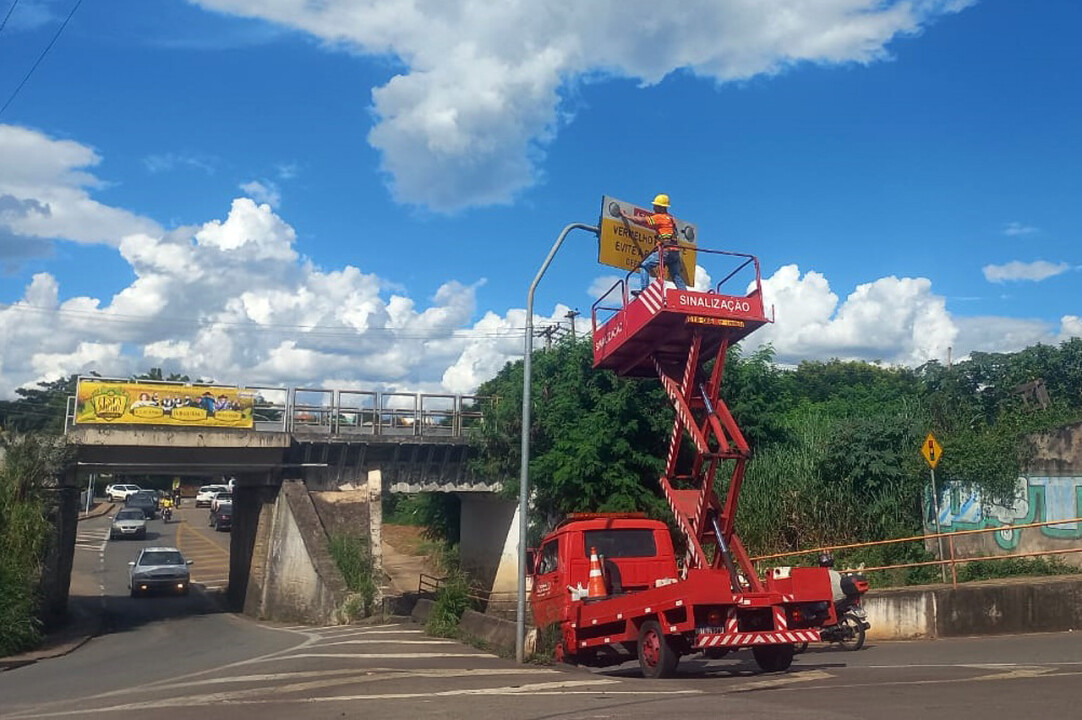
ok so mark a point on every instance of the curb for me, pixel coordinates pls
(78, 634)
(103, 508)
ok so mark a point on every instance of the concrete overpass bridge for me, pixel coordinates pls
(307, 442)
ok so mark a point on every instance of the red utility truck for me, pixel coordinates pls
(655, 605)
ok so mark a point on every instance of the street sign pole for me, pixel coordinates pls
(524, 466)
(932, 452)
(938, 529)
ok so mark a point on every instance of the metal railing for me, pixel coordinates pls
(741, 279)
(952, 561)
(344, 412)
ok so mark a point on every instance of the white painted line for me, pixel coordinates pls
(377, 656)
(388, 642)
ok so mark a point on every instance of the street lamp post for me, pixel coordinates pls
(524, 471)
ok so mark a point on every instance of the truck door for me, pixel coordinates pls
(550, 595)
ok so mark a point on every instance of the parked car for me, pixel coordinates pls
(159, 569)
(146, 503)
(120, 492)
(207, 493)
(128, 522)
(223, 497)
(221, 518)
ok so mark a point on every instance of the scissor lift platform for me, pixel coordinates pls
(631, 332)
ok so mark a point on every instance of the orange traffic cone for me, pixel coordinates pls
(596, 584)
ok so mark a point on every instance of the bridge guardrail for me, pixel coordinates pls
(345, 412)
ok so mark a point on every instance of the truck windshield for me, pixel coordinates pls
(629, 543)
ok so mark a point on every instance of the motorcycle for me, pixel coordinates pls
(852, 621)
(167, 514)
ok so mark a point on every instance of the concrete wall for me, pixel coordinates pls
(1051, 490)
(991, 608)
(487, 531)
(300, 581)
(62, 512)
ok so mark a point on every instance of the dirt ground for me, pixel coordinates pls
(404, 558)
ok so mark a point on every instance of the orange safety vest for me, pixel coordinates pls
(664, 224)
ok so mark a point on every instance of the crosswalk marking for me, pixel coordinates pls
(92, 539)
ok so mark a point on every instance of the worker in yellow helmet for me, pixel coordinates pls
(664, 225)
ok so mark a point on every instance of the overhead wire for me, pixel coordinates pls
(41, 57)
(4, 22)
(309, 330)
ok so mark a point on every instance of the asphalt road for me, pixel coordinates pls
(185, 658)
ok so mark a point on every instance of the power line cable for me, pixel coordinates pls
(313, 330)
(4, 22)
(42, 55)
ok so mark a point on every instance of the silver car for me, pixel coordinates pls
(129, 523)
(159, 568)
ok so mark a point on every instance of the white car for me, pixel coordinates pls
(207, 493)
(225, 496)
(120, 493)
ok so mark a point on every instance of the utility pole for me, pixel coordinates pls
(571, 315)
(547, 333)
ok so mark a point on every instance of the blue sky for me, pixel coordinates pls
(359, 192)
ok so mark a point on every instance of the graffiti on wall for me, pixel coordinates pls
(1038, 499)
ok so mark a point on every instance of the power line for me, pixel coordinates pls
(11, 9)
(313, 330)
(43, 53)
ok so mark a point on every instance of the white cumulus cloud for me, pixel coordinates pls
(263, 192)
(466, 120)
(232, 300)
(894, 320)
(45, 192)
(1017, 270)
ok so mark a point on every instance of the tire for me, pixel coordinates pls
(852, 631)
(134, 593)
(773, 658)
(715, 653)
(657, 658)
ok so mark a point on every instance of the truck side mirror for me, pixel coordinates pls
(531, 561)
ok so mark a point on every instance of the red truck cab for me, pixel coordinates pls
(637, 555)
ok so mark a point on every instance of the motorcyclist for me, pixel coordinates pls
(826, 560)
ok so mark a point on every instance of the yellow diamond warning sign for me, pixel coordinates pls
(624, 244)
(931, 450)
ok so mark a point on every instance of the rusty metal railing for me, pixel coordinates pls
(952, 560)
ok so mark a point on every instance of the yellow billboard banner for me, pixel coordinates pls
(624, 244)
(124, 403)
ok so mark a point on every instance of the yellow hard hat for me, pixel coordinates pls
(662, 199)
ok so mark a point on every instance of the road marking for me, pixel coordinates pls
(780, 681)
(380, 656)
(541, 688)
(384, 642)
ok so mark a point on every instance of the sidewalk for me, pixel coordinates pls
(86, 609)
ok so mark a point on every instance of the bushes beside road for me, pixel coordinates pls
(28, 467)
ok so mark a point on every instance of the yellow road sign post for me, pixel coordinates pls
(932, 452)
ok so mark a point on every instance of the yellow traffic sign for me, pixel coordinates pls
(624, 244)
(931, 450)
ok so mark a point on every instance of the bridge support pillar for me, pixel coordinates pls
(375, 525)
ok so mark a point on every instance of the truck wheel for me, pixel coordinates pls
(656, 656)
(773, 658)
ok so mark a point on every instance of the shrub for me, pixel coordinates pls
(354, 561)
(452, 600)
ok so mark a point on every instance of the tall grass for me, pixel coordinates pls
(27, 466)
(354, 561)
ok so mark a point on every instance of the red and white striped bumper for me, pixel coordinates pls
(773, 637)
